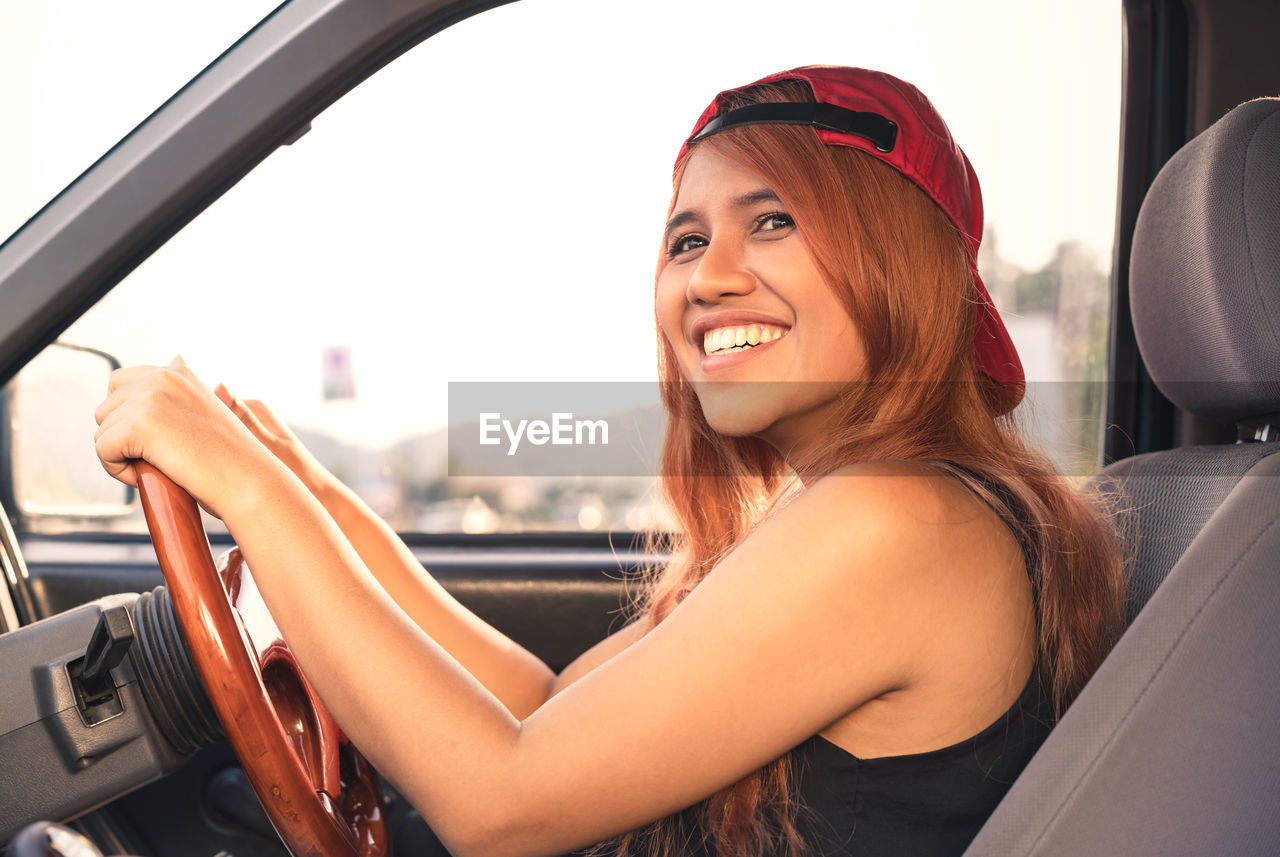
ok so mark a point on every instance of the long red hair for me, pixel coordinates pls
(900, 270)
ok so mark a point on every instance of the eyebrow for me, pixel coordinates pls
(746, 200)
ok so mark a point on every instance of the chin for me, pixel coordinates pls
(741, 409)
(736, 425)
(782, 414)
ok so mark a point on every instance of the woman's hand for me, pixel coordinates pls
(272, 433)
(166, 416)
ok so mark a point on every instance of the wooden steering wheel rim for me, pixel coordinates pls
(320, 794)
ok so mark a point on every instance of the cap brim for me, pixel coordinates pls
(994, 351)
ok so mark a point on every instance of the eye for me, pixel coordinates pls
(774, 221)
(685, 243)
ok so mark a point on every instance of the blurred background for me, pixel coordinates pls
(488, 208)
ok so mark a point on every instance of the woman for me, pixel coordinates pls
(880, 597)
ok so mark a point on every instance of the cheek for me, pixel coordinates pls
(849, 358)
(669, 304)
(841, 355)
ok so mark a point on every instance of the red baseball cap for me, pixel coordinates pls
(892, 121)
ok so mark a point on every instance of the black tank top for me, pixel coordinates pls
(928, 804)
(925, 804)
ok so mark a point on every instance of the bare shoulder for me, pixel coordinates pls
(901, 487)
(945, 572)
(909, 509)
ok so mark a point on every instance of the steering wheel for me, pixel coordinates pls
(321, 795)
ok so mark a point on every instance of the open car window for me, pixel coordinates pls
(487, 210)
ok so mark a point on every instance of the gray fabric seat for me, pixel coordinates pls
(1173, 748)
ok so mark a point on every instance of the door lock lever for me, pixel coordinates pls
(109, 643)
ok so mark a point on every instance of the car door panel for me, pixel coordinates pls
(557, 596)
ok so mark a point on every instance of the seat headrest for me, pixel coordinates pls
(1204, 275)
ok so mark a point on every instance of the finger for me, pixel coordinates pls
(126, 409)
(117, 396)
(116, 450)
(267, 417)
(127, 375)
(131, 381)
(239, 407)
(179, 367)
(251, 420)
(224, 394)
(122, 472)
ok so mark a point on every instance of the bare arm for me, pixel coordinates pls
(896, 591)
(510, 672)
(599, 654)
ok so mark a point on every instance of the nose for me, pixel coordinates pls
(720, 272)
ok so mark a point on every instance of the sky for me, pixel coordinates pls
(488, 206)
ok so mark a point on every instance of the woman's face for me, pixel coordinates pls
(754, 327)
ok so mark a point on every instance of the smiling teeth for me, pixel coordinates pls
(726, 340)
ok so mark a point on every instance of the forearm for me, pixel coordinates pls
(417, 714)
(510, 672)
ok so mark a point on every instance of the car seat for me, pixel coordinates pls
(1173, 747)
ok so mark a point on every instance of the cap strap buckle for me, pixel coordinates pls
(828, 117)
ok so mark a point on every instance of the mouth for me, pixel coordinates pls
(731, 339)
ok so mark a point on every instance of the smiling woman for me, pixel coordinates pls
(954, 594)
(873, 598)
(890, 349)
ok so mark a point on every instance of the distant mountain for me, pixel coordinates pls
(417, 459)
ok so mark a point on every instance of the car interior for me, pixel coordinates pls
(109, 743)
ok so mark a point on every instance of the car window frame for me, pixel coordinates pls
(260, 94)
